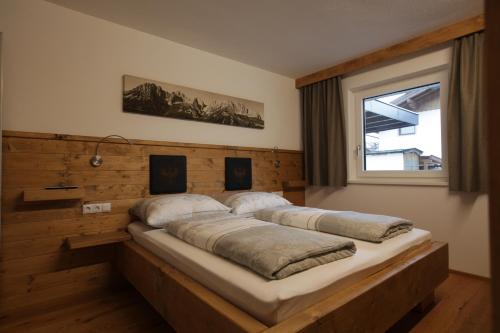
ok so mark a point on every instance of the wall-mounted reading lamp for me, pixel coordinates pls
(96, 160)
(277, 162)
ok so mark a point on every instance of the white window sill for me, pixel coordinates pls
(402, 182)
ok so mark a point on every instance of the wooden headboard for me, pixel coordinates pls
(35, 266)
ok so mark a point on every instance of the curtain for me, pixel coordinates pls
(323, 132)
(466, 125)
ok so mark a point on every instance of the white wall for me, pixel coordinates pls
(63, 74)
(459, 219)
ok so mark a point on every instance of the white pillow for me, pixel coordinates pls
(250, 202)
(159, 211)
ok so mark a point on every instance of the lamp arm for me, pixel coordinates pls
(277, 162)
(107, 137)
(96, 160)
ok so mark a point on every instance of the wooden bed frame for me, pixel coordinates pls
(373, 304)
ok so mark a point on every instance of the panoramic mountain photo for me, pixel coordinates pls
(167, 100)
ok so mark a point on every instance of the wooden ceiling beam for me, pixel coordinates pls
(419, 43)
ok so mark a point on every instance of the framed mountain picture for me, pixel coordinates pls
(161, 99)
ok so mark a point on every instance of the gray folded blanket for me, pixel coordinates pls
(368, 227)
(270, 250)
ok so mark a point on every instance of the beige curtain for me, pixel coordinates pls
(323, 131)
(467, 155)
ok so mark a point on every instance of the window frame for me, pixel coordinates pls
(357, 174)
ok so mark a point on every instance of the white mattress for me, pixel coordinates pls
(276, 300)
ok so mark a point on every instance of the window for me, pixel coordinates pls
(388, 116)
(400, 131)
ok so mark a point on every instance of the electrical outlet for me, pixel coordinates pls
(106, 207)
(96, 208)
(87, 209)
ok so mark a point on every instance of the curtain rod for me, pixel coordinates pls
(416, 44)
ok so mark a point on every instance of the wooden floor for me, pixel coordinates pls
(121, 312)
(463, 306)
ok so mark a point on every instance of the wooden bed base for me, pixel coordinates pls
(371, 305)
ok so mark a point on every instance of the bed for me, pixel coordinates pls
(197, 291)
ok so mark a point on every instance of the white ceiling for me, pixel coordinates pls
(289, 37)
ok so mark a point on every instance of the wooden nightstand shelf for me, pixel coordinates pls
(294, 185)
(80, 242)
(43, 194)
(294, 191)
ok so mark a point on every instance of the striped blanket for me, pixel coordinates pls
(270, 250)
(368, 227)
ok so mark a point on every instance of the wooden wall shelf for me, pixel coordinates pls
(53, 194)
(80, 242)
(294, 191)
(294, 185)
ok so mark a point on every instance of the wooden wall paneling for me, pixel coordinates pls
(53, 262)
(492, 73)
(413, 45)
(31, 290)
(35, 264)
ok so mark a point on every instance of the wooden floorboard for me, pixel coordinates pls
(463, 305)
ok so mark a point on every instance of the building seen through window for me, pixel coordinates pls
(402, 130)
